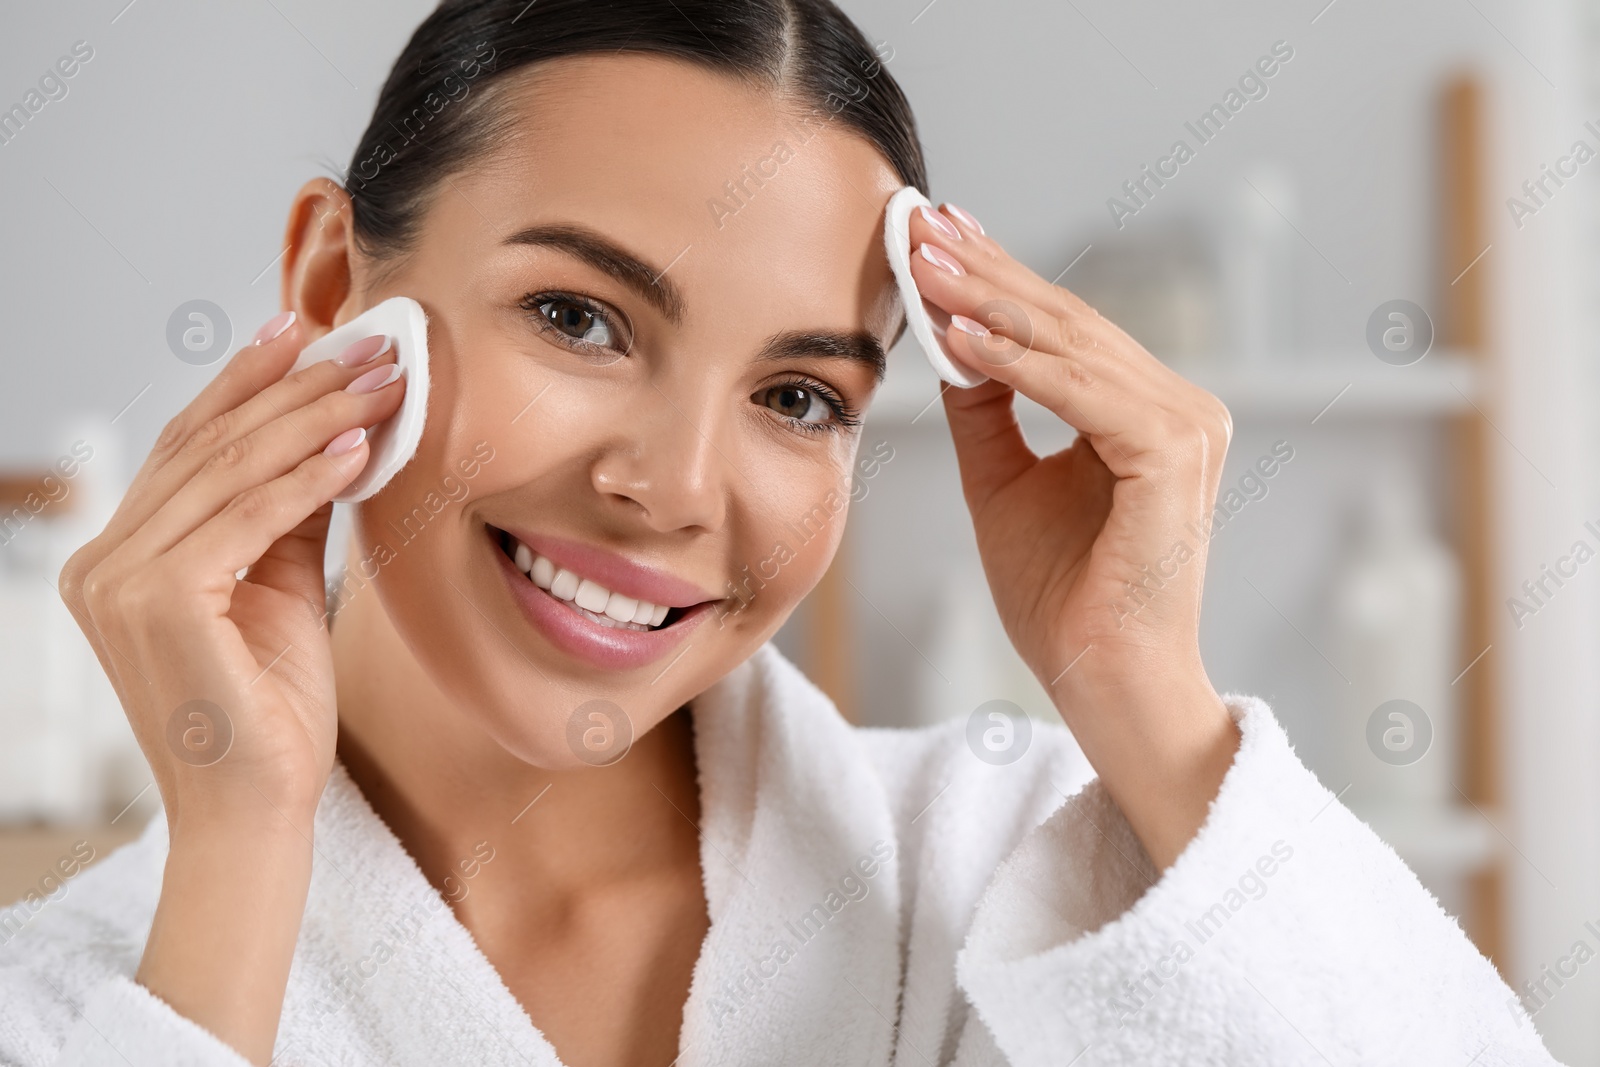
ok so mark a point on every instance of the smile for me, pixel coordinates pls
(593, 605)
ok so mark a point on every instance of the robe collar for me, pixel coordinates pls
(801, 962)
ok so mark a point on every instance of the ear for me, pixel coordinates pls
(318, 260)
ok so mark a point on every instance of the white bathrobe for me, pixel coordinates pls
(876, 897)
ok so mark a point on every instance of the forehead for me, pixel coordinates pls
(749, 203)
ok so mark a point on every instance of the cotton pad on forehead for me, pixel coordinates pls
(926, 322)
(394, 441)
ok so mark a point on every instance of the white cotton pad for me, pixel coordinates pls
(394, 440)
(926, 322)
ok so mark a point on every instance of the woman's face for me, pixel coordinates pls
(622, 303)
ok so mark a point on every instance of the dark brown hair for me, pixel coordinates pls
(434, 115)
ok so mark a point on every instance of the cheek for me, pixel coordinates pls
(501, 427)
(792, 532)
(495, 422)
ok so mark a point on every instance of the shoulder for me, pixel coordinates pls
(56, 948)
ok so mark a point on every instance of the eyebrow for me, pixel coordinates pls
(856, 345)
(610, 258)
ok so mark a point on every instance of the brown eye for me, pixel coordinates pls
(796, 402)
(580, 324)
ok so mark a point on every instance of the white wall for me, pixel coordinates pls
(179, 145)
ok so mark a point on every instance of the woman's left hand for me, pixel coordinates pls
(1096, 554)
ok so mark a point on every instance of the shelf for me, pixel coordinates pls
(30, 853)
(1321, 389)
(1442, 384)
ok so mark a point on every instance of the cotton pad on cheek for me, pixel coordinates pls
(394, 441)
(927, 323)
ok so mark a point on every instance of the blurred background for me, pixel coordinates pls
(1377, 243)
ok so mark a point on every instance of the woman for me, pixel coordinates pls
(544, 792)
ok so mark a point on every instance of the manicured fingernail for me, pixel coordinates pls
(940, 223)
(940, 258)
(345, 442)
(363, 351)
(273, 327)
(972, 326)
(374, 379)
(964, 216)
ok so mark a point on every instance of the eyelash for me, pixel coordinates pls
(531, 303)
(843, 417)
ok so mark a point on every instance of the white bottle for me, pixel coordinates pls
(1397, 604)
(1257, 256)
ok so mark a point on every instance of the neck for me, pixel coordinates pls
(446, 788)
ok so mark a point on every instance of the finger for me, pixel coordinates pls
(994, 286)
(990, 448)
(241, 533)
(119, 667)
(258, 364)
(1089, 373)
(178, 466)
(265, 454)
(1120, 424)
(1168, 411)
(293, 564)
(982, 256)
(1014, 325)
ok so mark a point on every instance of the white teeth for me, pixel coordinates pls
(564, 585)
(621, 607)
(607, 621)
(591, 595)
(606, 606)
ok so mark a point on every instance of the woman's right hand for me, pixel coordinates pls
(229, 683)
(240, 478)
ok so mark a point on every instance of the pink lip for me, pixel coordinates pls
(602, 646)
(616, 573)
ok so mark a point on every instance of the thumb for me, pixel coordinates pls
(294, 562)
(990, 448)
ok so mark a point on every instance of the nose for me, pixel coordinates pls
(668, 462)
